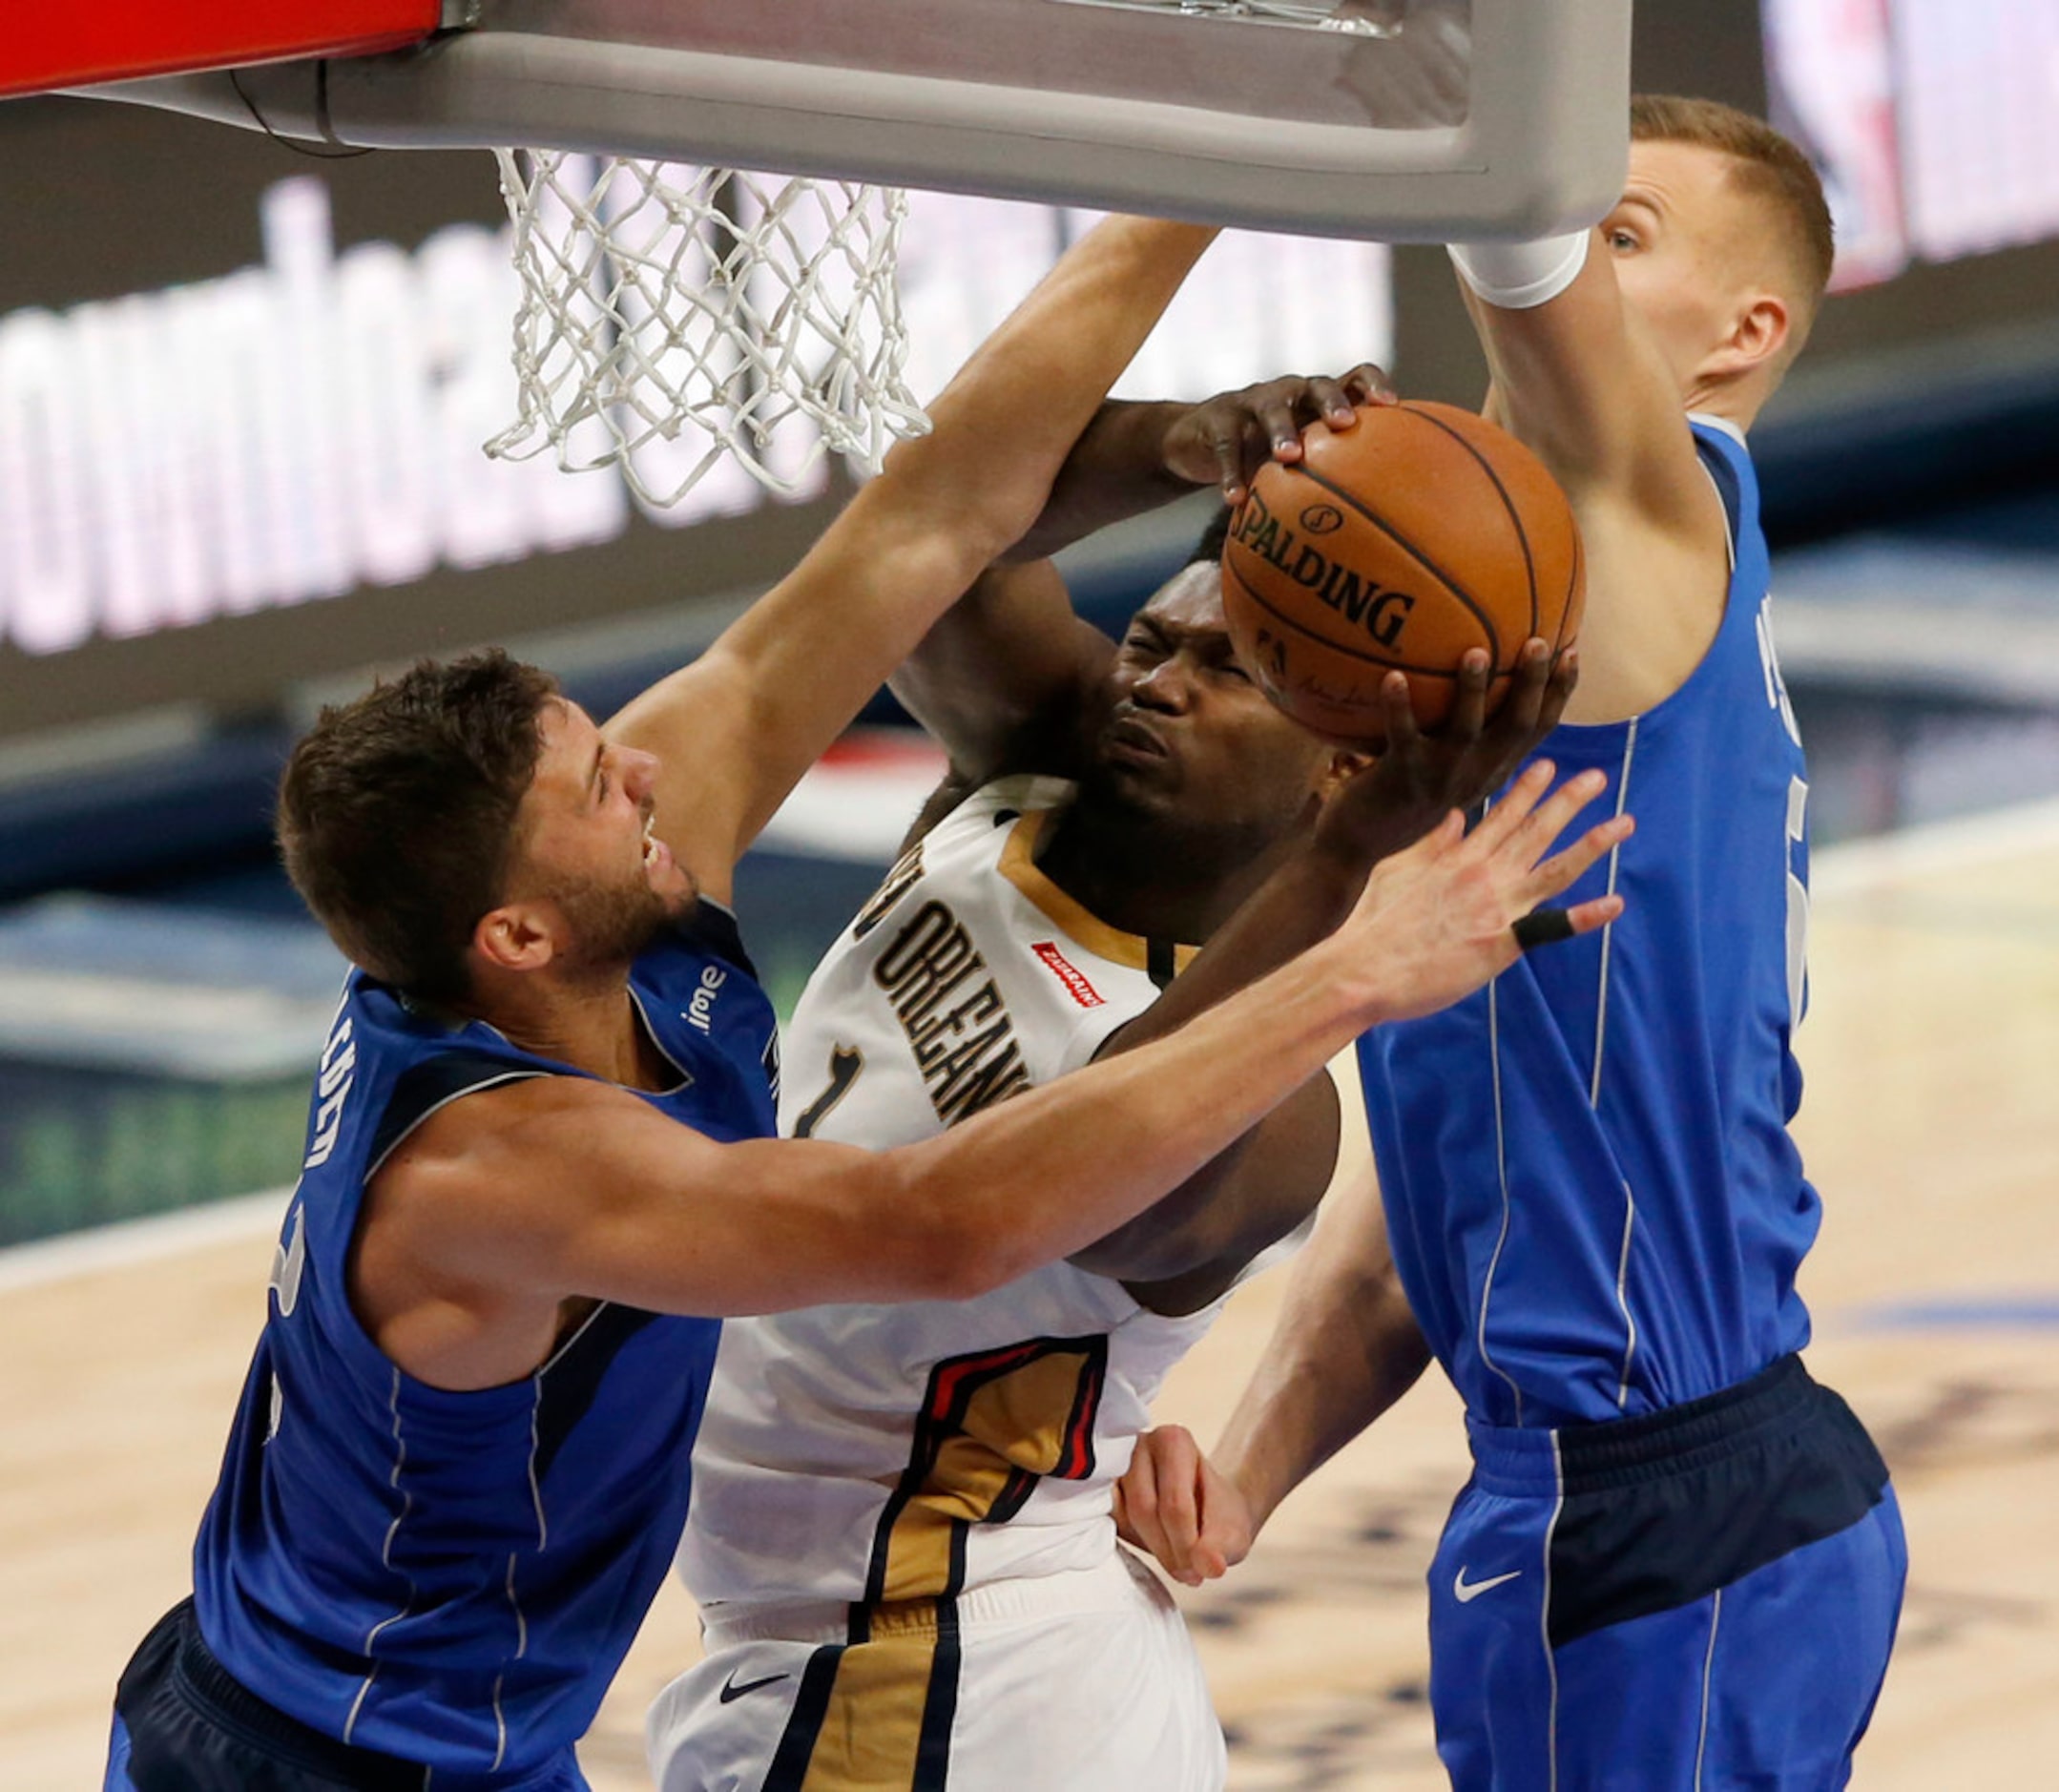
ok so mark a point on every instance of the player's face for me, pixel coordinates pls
(1686, 249)
(589, 843)
(1187, 734)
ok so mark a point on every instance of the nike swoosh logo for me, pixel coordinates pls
(734, 1689)
(1468, 1591)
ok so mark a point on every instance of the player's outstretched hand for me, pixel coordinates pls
(1225, 439)
(1437, 922)
(1174, 1505)
(1420, 778)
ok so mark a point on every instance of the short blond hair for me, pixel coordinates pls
(1769, 168)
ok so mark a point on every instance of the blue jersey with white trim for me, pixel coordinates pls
(1593, 1201)
(454, 1577)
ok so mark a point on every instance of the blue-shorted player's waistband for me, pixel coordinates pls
(1576, 1459)
(173, 1661)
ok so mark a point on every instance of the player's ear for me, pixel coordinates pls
(1757, 334)
(517, 936)
(1342, 766)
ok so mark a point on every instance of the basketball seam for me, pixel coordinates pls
(1573, 584)
(1402, 541)
(1515, 516)
(1324, 641)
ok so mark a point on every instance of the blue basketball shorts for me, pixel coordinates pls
(182, 1723)
(1698, 1598)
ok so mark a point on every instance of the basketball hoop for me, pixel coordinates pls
(698, 313)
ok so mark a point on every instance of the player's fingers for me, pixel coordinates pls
(1328, 400)
(1469, 704)
(1512, 807)
(1398, 714)
(1597, 912)
(1222, 1538)
(1534, 834)
(1528, 685)
(1564, 869)
(1178, 1527)
(1275, 418)
(1559, 688)
(1119, 1510)
(1225, 447)
(1369, 385)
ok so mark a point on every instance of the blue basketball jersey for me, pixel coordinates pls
(454, 1577)
(1594, 1205)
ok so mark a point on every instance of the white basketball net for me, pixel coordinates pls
(672, 316)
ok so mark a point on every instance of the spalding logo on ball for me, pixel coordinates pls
(1403, 542)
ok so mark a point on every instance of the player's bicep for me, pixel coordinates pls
(1000, 679)
(569, 1189)
(1185, 1250)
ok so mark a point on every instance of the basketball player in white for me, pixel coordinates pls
(902, 1533)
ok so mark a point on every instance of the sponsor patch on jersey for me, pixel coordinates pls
(1068, 973)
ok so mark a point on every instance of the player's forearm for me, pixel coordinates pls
(1345, 1350)
(1305, 901)
(1052, 1169)
(1116, 471)
(1004, 427)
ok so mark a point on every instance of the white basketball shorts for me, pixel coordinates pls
(1079, 1682)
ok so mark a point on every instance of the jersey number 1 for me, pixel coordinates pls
(844, 1064)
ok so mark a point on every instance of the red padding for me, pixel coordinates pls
(74, 43)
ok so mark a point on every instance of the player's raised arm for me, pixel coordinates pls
(1694, 294)
(735, 730)
(1000, 679)
(502, 1206)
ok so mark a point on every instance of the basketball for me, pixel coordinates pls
(1403, 543)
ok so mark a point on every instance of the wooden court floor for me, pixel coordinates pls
(1930, 1124)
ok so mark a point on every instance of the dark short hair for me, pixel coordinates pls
(1210, 545)
(397, 814)
(1768, 166)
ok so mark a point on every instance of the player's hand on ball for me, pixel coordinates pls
(1175, 1506)
(1437, 922)
(1226, 439)
(1419, 776)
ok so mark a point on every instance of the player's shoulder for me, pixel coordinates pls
(998, 801)
(1022, 793)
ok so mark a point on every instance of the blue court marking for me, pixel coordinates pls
(2001, 1312)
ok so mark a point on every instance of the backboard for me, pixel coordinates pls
(57, 47)
(1404, 120)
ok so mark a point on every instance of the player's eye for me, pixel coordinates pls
(1623, 239)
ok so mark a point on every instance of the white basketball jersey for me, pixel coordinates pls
(869, 1453)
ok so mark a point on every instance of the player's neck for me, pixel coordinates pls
(1147, 879)
(1736, 402)
(592, 1024)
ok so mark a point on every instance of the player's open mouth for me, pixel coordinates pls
(657, 855)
